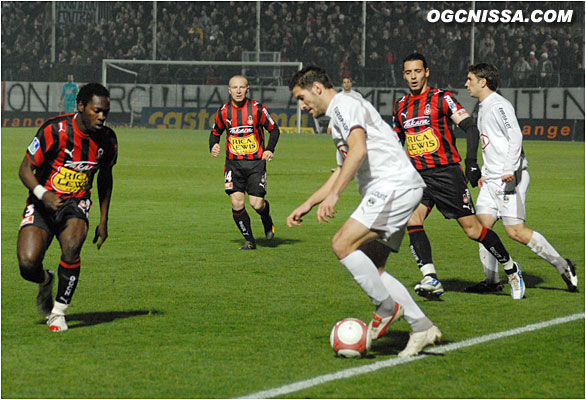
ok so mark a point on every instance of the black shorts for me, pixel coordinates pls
(36, 214)
(247, 176)
(447, 189)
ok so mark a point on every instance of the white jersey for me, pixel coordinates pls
(500, 137)
(385, 161)
(353, 93)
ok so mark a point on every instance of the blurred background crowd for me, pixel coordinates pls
(329, 34)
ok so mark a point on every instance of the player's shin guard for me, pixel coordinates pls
(421, 250)
(243, 223)
(493, 244)
(68, 277)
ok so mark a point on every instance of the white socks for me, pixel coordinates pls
(59, 308)
(401, 295)
(540, 246)
(489, 263)
(365, 273)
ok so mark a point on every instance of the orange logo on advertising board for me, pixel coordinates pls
(420, 143)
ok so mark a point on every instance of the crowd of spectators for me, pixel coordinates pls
(329, 34)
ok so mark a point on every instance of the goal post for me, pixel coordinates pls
(149, 71)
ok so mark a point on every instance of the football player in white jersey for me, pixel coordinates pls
(505, 180)
(391, 188)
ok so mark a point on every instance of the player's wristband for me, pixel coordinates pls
(39, 191)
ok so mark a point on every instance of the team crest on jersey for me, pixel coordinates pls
(343, 149)
(484, 142)
(250, 120)
(34, 146)
(420, 143)
(427, 109)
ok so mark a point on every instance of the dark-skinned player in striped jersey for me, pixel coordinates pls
(245, 171)
(58, 169)
(422, 121)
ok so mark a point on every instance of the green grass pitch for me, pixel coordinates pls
(170, 308)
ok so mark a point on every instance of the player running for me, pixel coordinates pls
(505, 180)
(245, 170)
(390, 188)
(58, 169)
(421, 119)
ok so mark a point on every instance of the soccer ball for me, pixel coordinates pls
(350, 338)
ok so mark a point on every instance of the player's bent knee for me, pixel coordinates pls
(29, 268)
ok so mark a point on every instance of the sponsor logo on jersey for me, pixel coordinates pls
(67, 180)
(420, 143)
(80, 166)
(341, 119)
(505, 118)
(34, 146)
(415, 122)
(243, 145)
(264, 110)
(239, 130)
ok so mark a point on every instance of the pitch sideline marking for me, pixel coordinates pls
(351, 372)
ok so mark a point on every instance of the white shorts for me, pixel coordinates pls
(386, 211)
(509, 207)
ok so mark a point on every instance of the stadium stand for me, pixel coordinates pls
(528, 55)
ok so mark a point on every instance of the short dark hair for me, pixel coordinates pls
(415, 57)
(89, 90)
(488, 72)
(305, 78)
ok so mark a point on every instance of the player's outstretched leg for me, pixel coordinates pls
(420, 246)
(267, 221)
(242, 221)
(565, 267)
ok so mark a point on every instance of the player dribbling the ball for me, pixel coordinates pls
(390, 187)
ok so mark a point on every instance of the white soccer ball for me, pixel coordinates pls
(350, 338)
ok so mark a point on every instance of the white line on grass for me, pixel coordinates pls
(348, 373)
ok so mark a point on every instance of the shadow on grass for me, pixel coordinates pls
(275, 242)
(457, 285)
(89, 319)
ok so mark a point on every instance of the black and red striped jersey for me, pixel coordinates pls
(423, 123)
(66, 159)
(244, 126)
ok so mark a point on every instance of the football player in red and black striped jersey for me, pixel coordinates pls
(58, 169)
(245, 122)
(422, 120)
